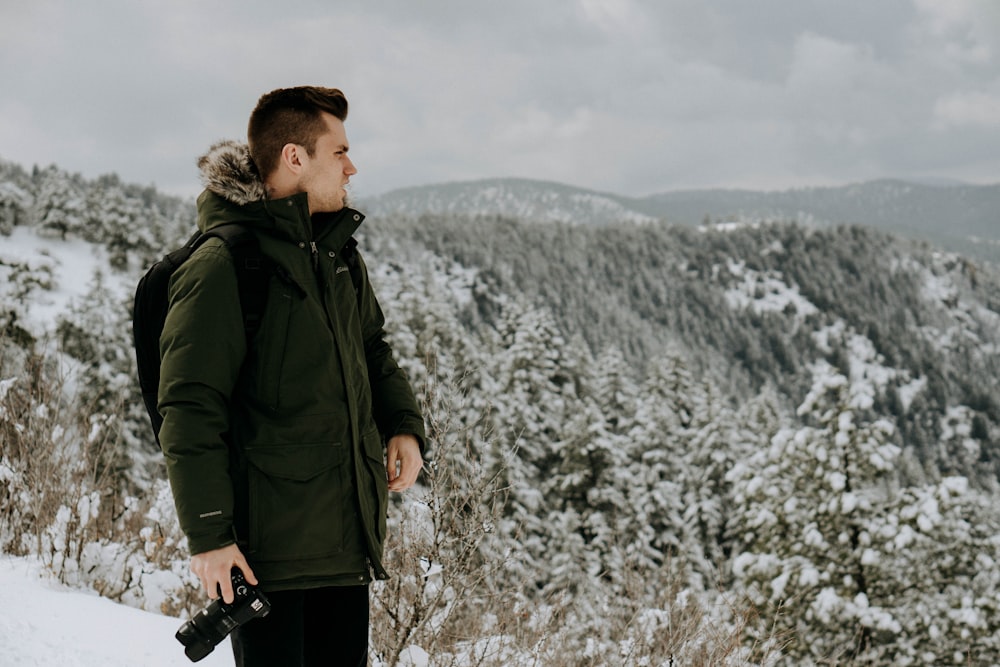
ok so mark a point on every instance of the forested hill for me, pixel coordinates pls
(963, 218)
(633, 419)
(757, 305)
(525, 199)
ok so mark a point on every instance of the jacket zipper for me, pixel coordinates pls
(315, 255)
(375, 565)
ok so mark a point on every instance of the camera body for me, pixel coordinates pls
(211, 625)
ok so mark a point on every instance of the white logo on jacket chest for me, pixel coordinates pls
(341, 269)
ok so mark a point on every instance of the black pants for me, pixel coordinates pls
(307, 628)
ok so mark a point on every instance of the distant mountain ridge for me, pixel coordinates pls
(962, 218)
(520, 198)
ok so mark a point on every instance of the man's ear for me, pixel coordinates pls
(291, 157)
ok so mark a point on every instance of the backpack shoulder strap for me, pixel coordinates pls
(253, 270)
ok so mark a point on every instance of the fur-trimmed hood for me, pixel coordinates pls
(228, 171)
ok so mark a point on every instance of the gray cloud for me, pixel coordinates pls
(631, 96)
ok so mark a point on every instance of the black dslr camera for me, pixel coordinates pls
(211, 625)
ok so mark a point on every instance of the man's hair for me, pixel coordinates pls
(290, 116)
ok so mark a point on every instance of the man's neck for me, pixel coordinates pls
(279, 186)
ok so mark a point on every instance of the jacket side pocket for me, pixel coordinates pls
(298, 499)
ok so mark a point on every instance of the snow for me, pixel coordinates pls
(71, 263)
(43, 623)
(827, 604)
(908, 391)
(765, 292)
(517, 198)
(809, 577)
(939, 289)
(868, 374)
(412, 656)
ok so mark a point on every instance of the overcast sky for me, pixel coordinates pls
(625, 96)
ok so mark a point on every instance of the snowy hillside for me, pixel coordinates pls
(45, 624)
(47, 276)
(536, 201)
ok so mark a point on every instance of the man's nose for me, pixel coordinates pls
(349, 167)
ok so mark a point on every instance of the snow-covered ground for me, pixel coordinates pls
(43, 623)
(64, 271)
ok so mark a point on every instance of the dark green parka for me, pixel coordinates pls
(280, 448)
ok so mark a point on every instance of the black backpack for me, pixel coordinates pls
(253, 271)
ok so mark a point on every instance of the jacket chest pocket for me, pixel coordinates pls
(299, 495)
(271, 344)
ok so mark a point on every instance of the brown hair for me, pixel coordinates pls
(290, 116)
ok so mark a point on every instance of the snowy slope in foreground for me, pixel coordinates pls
(45, 624)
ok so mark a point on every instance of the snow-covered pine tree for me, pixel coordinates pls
(802, 516)
(586, 498)
(656, 447)
(121, 224)
(95, 332)
(932, 560)
(60, 204)
(711, 449)
(535, 395)
(15, 204)
(615, 390)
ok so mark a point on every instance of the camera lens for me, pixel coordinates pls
(187, 634)
(196, 652)
(196, 646)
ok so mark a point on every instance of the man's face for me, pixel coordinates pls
(326, 173)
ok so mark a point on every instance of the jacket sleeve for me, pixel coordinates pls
(393, 402)
(202, 348)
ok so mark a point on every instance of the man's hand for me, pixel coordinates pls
(214, 569)
(403, 462)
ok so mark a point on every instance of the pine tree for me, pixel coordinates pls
(587, 497)
(802, 511)
(120, 223)
(615, 390)
(657, 447)
(932, 560)
(60, 205)
(711, 450)
(15, 204)
(535, 398)
(95, 332)
(535, 383)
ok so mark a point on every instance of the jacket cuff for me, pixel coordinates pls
(415, 427)
(202, 543)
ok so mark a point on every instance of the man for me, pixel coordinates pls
(280, 453)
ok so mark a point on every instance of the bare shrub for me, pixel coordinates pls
(55, 482)
(660, 620)
(444, 550)
(65, 497)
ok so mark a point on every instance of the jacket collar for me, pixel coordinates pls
(234, 192)
(228, 171)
